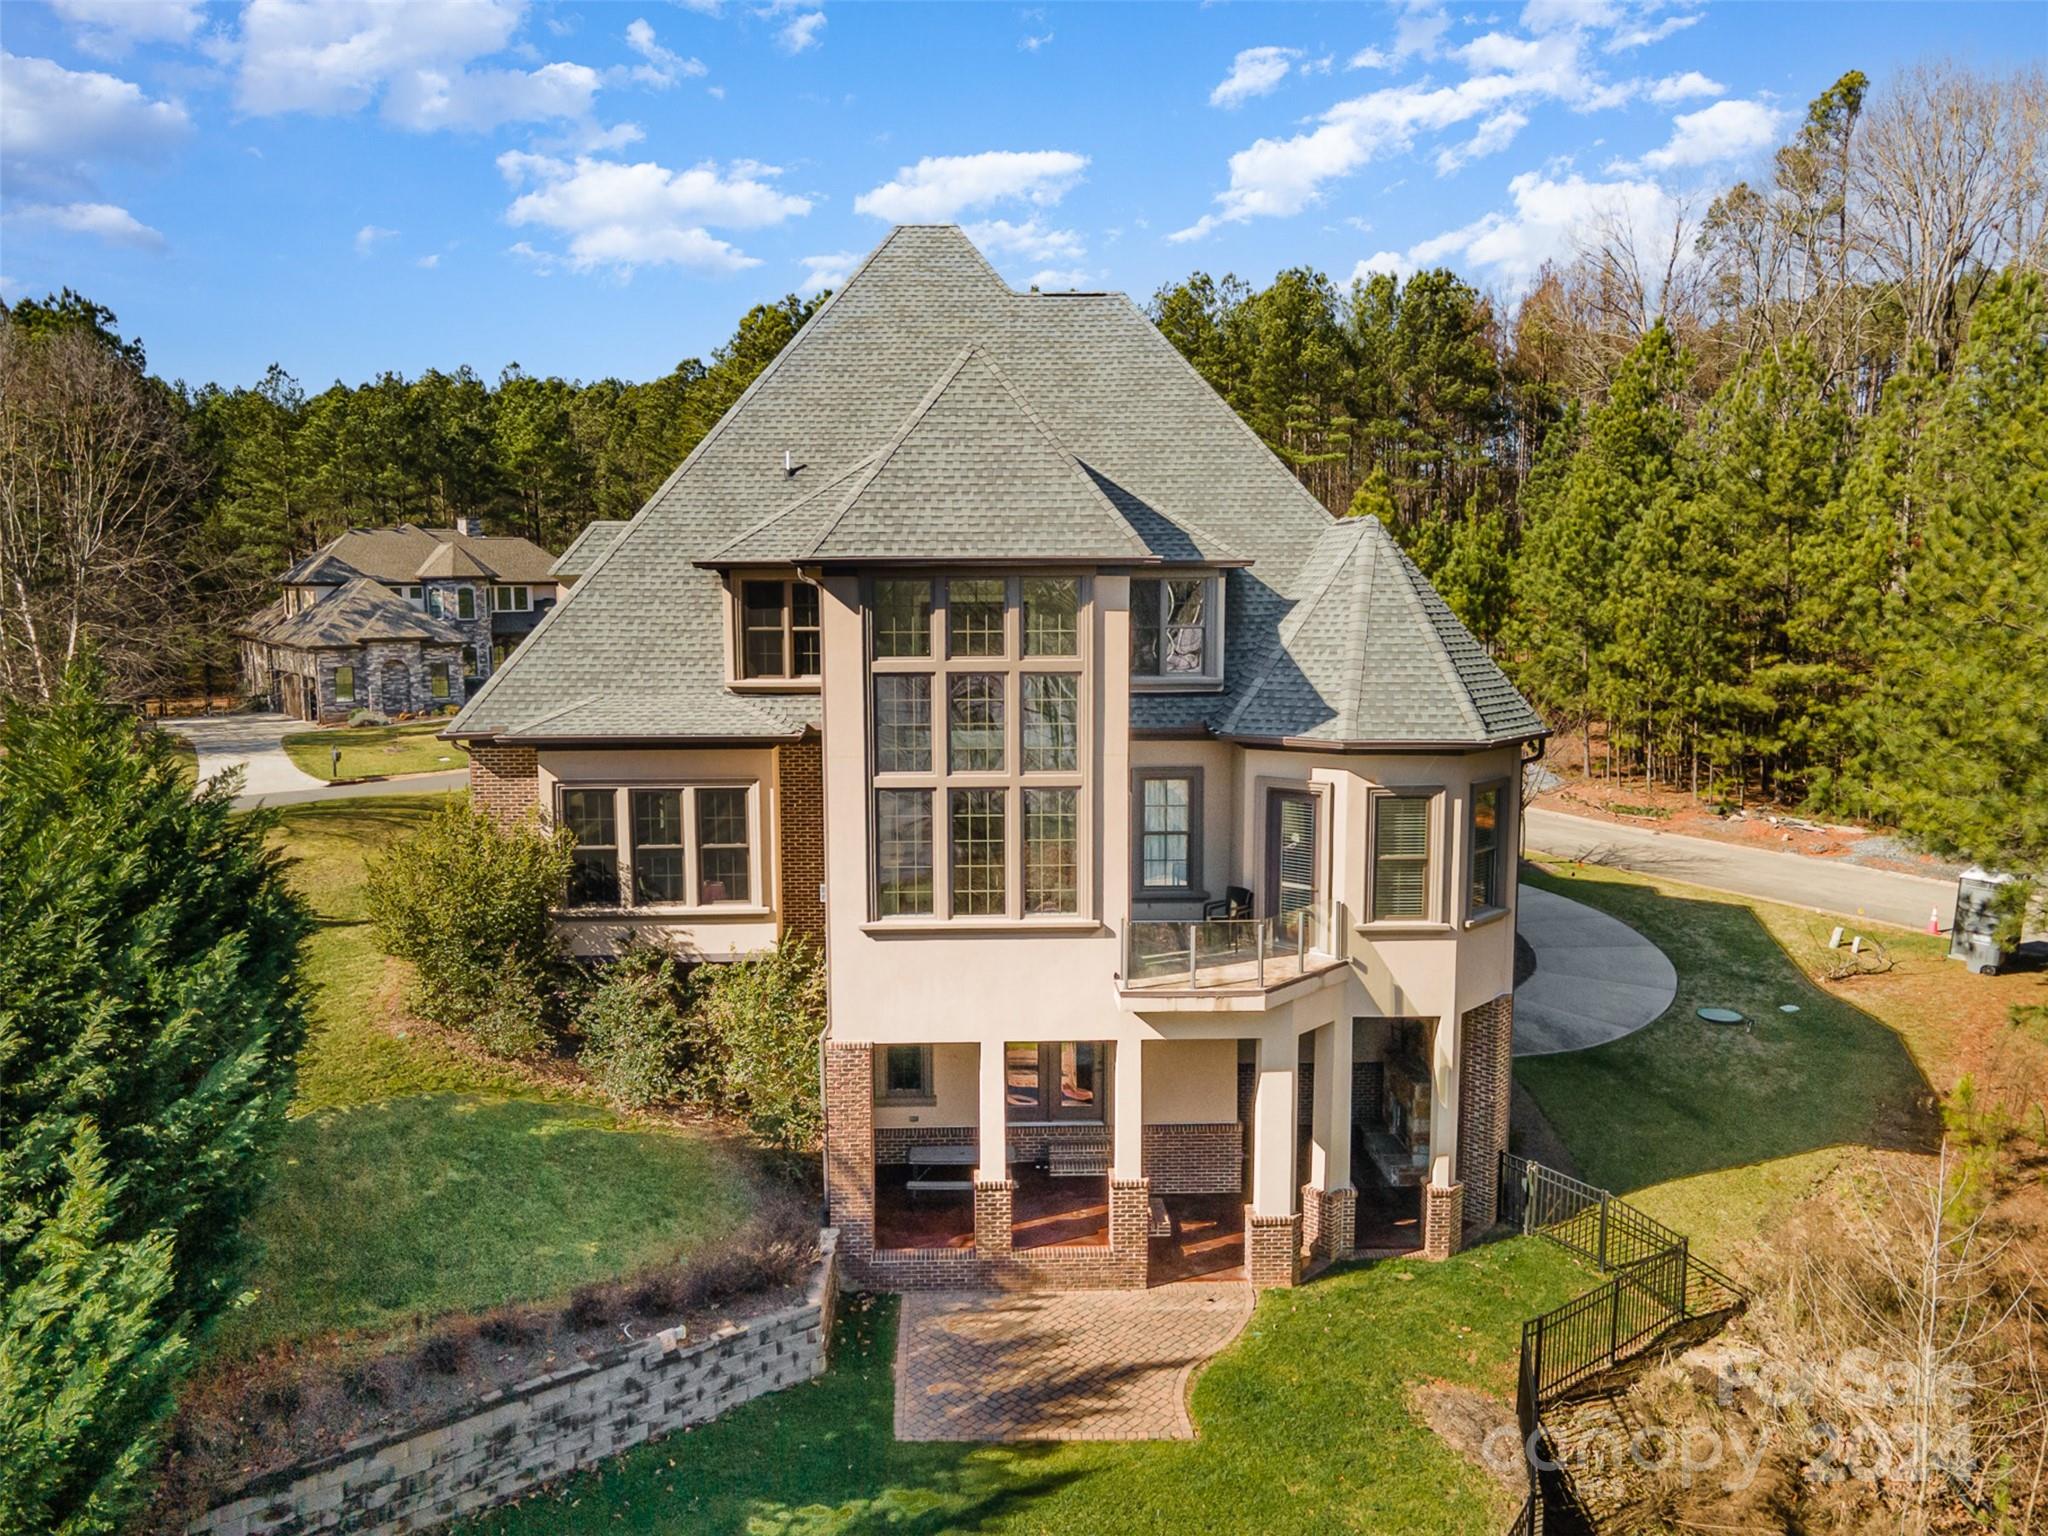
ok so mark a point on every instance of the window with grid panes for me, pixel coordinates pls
(976, 695)
(689, 845)
(778, 636)
(1174, 635)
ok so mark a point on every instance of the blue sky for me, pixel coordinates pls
(595, 190)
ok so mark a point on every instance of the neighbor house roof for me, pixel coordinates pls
(928, 411)
(1371, 654)
(395, 556)
(585, 548)
(362, 610)
(450, 561)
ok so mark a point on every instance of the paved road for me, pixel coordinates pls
(411, 784)
(1820, 885)
(252, 743)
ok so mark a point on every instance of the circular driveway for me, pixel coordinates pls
(252, 743)
(1596, 978)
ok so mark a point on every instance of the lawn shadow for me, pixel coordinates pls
(1682, 1097)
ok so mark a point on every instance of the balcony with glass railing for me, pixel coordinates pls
(1220, 956)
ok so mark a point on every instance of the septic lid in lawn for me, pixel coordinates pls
(1722, 1016)
(1788, 1007)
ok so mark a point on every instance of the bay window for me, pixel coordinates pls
(975, 696)
(687, 845)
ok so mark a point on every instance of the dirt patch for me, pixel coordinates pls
(1478, 1427)
(305, 1399)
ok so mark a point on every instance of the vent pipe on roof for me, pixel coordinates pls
(788, 463)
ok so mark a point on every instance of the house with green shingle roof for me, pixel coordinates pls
(1157, 828)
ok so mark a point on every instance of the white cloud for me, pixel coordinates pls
(1550, 215)
(1420, 30)
(1279, 177)
(1392, 263)
(663, 66)
(1370, 58)
(801, 32)
(429, 262)
(645, 215)
(109, 28)
(56, 123)
(1031, 42)
(104, 221)
(704, 7)
(1728, 130)
(829, 271)
(370, 236)
(1641, 34)
(1030, 241)
(1493, 136)
(1686, 86)
(942, 187)
(1254, 72)
(333, 56)
(1569, 15)
(1054, 278)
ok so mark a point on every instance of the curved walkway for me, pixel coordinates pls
(1596, 978)
(1073, 1365)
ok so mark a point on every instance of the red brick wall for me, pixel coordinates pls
(1195, 1159)
(504, 782)
(850, 1145)
(800, 822)
(1329, 1221)
(1272, 1249)
(1442, 1230)
(1485, 1086)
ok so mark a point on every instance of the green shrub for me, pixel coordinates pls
(512, 1019)
(635, 1047)
(466, 901)
(755, 1026)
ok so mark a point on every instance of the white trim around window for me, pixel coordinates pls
(674, 846)
(511, 599)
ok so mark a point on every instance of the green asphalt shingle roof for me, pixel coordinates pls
(929, 411)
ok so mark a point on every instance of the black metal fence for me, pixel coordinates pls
(1657, 1284)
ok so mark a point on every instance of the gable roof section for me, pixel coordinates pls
(971, 474)
(586, 547)
(1372, 656)
(450, 561)
(362, 610)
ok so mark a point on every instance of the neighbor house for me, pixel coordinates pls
(398, 620)
(1158, 827)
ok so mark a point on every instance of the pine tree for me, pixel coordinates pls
(150, 1017)
(1958, 754)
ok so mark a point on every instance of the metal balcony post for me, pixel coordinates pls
(1259, 942)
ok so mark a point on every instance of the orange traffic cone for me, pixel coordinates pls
(1934, 920)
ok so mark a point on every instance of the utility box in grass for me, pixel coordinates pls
(1973, 939)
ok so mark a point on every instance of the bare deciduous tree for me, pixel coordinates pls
(93, 481)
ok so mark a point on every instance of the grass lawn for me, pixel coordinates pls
(1707, 1127)
(415, 1179)
(1302, 1425)
(368, 750)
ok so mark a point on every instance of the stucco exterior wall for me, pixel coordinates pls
(1190, 1082)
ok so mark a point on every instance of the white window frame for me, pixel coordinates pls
(1210, 678)
(465, 602)
(350, 696)
(756, 904)
(502, 599)
(1011, 780)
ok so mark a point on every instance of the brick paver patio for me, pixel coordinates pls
(1075, 1365)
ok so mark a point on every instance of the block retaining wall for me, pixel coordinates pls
(511, 1442)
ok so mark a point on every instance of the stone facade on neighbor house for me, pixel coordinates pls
(510, 1443)
(1159, 828)
(402, 620)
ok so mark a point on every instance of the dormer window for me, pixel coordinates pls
(778, 628)
(1176, 630)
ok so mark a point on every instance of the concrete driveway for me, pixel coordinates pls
(1596, 978)
(252, 743)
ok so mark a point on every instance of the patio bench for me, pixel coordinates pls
(937, 1186)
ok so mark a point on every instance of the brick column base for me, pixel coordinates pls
(1443, 1209)
(1486, 1071)
(1329, 1221)
(850, 1145)
(995, 1203)
(1272, 1249)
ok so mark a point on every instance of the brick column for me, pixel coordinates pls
(1485, 1085)
(1442, 1220)
(504, 782)
(850, 1144)
(1130, 1229)
(1329, 1221)
(1272, 1249)
(995, 1202)
(800, 836)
